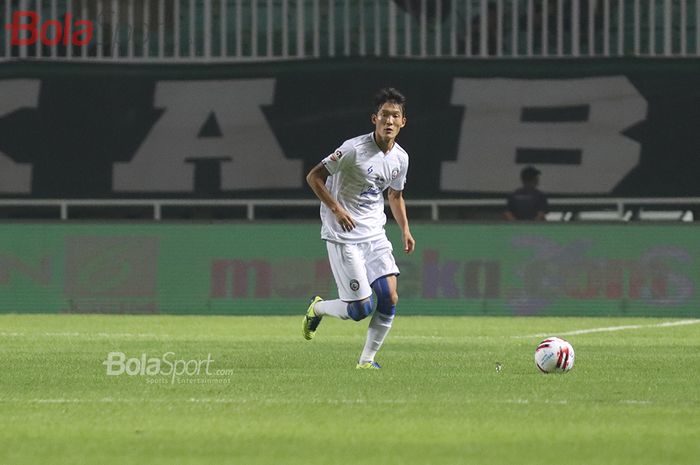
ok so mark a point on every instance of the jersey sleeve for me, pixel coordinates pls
(399, 182)
(336, 160)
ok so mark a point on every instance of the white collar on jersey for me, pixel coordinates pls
(374, 139)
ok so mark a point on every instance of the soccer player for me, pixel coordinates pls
(350, 183)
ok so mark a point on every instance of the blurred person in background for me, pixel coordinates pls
(528, 202)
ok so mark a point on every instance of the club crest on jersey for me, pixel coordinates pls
(354, 284)
(394, 173)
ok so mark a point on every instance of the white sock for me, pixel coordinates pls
(336, 308)
(379, 327)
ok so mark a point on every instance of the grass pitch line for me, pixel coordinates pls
(258, 402)
(613, 328)
(84, 335)
(195, 400)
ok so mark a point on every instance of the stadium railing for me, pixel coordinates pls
(232, 31)
(257, 30)
(562, 209)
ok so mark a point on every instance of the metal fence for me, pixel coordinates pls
(256, 30)
(561, 209)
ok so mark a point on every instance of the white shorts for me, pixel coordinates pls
(356, 266)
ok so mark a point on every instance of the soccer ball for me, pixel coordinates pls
(554, 355)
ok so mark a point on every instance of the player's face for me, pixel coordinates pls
(388, 121)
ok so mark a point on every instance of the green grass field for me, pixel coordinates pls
(633, 396)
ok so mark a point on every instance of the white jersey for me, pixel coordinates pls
(360, 173)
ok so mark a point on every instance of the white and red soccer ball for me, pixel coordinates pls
(554, 355)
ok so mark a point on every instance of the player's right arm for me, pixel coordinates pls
(317, 181)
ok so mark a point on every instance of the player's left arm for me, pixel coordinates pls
(398, 209)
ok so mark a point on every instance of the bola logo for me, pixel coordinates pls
(25, 29)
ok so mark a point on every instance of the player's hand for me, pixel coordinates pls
(344, 219)
(409, 244)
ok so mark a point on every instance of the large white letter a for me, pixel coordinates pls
(252, 156)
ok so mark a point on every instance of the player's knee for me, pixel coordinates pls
(386, 304)
(360, 309)
(387, 298)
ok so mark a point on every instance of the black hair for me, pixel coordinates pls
(529, 173)
(391, 95)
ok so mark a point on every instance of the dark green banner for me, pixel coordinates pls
(274, 268)
(594, 127)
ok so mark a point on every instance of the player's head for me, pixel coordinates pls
(389, 95)
(389, 112)
(530, 176)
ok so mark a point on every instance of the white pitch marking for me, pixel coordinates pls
(76, 334)
(612, 328)
(194, 400)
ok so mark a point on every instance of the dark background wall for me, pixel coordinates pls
(99, 131)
